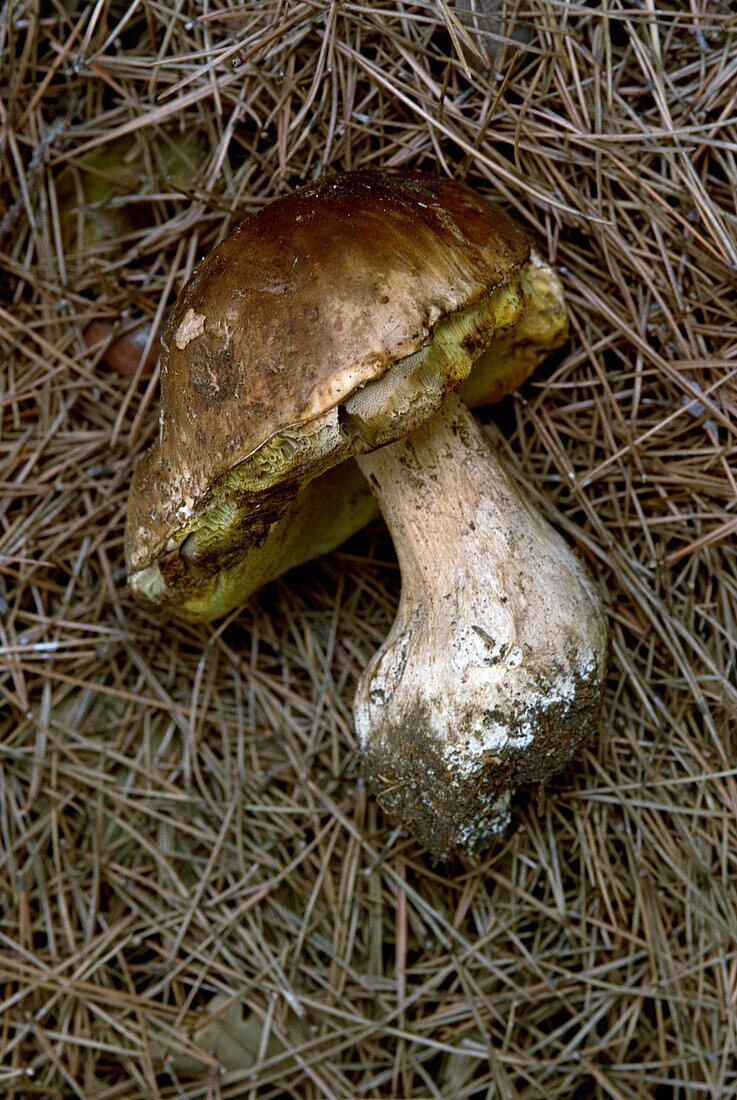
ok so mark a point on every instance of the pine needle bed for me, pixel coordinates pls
(197, 898)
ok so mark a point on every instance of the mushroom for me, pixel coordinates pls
(334, 324)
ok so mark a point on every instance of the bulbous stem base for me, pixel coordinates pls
(492, 672)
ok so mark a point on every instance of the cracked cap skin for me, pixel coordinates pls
(314, 298)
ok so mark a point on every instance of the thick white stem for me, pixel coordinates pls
(492, 672)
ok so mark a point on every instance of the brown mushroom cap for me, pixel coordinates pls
(304, 307)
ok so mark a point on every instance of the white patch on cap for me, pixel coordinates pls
(192, 326)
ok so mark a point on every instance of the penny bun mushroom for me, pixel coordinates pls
(333, 324)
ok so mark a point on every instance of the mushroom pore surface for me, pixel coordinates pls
(492, 672)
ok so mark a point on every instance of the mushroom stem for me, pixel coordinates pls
(492, 672)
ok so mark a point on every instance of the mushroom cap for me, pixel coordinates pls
(319, 296)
